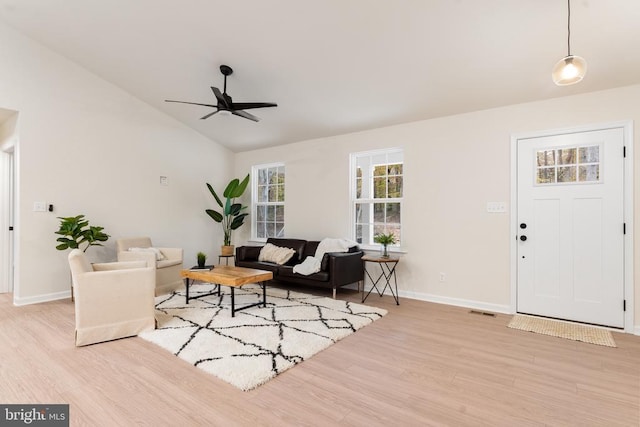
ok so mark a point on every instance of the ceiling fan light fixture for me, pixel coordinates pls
(572, 68)
(569, 70)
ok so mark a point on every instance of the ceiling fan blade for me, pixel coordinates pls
(245, 115)
(220, 97)
(249, 105)
(209, 115)
(192, 103)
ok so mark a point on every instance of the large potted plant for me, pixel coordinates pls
(76, 231)
(232, 214)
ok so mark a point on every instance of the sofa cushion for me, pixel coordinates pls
(268, 266)
(297, 245)
(286, 271)
(276, 254)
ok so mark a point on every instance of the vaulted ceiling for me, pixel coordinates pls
(335, 66)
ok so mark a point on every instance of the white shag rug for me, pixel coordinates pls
(258, 343)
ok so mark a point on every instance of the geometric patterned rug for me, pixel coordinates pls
(258, 343)
(568, 330)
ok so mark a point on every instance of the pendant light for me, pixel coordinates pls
(572, 68)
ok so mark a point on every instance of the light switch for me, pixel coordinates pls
(496, 207)
(164, 180)
(39, 206)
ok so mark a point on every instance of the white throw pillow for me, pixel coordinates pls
(157, 252)
(277, 254)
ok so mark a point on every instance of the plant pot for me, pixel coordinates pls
(226, 250)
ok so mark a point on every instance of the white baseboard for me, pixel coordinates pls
(41, 298)
(636, 331)
(476, 305)
(458, 302)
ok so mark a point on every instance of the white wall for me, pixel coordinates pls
(87, 147)
(453, 167)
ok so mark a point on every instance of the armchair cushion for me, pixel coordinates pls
(157, 252)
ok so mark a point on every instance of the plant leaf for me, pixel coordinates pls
(216, 216)
(241, 187)
(237, 221)
(215, 196)
(228, 192)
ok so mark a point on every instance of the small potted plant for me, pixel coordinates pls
(385, 240)
(202, 257)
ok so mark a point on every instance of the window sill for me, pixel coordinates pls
(378, 249)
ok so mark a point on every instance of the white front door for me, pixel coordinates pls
(570, 210)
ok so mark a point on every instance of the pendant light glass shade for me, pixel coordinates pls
(569, 70)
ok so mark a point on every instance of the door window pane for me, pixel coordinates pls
(546, 175)
(589, 154)
(568, 165)
(546, 157)
(567, 174)
(590, 173)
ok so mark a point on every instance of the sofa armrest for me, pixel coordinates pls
(345, 268)
(248, 253)
(172, 253)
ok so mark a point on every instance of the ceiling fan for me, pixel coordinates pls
(225, 103)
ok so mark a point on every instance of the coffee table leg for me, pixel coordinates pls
(186, 285)
(233, 302)
(264, 294)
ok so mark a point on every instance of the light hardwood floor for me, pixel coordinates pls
(422, 364)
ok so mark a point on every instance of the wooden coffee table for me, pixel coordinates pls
(231, 276)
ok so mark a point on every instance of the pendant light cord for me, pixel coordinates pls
(568, 27)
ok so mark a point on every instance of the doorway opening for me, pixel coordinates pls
(8, 148)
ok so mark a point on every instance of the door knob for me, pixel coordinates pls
(523, 238)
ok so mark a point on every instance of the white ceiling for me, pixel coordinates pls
(335, 66)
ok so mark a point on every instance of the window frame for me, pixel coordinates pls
(255, 171)
(354, 200)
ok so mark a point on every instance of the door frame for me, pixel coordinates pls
(627, 127)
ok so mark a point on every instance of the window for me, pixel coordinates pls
(267, 204)
(568, 165)
(376, 189)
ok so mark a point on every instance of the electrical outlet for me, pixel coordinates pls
(443, 277)
(39, 206)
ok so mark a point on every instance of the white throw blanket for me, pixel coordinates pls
(311, 264)
(333, 245)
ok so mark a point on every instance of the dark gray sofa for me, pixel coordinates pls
(337, 268)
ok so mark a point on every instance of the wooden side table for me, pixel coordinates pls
(226, 257)
(387, 271)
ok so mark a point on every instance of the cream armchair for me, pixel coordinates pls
(168, 261)
(112, 300)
